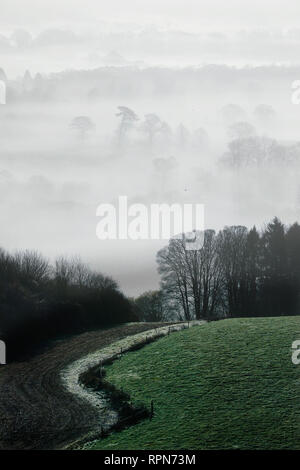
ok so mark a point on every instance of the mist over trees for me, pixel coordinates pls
(82, 125)
(238, 272)
(128, 119)
(216, 135)
(260, 151)
(162, 116)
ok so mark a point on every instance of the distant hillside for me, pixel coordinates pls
(132, 81)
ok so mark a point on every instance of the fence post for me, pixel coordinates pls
(2, 352)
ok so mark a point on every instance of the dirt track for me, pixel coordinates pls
(36, 412)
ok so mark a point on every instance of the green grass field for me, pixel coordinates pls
(224, 385)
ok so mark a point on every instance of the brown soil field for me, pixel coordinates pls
(36, 411)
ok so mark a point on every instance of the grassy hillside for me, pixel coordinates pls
(227, 384)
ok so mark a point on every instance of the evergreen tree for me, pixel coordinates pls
(274, 270)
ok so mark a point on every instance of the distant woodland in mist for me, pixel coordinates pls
(217, 135)
(130, 81)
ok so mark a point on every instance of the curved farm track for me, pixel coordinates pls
(36, 412)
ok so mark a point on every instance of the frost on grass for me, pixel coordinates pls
(100, 400)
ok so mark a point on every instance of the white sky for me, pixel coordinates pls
(193, 15)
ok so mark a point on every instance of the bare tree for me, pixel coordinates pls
(252, 151)
(174, 276)
(192, 276)
(72, 272)
(32, 266)
(232, 245)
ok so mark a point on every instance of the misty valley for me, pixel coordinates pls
(207, 136)
(150, 232)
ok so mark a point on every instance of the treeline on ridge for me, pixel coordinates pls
(39, 301)
(237, 273)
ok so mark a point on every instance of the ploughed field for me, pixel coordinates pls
(36, 411)
(229, 384)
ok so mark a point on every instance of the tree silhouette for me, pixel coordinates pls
(82, 125)
(151, 126)
(128, 119)
(236, 273)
